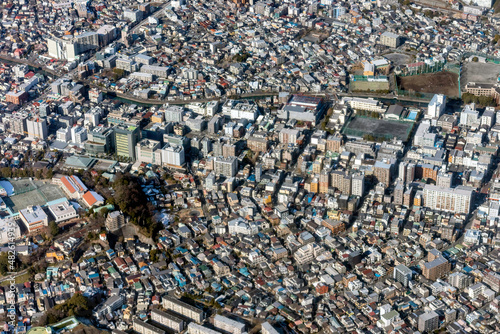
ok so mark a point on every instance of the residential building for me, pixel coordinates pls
(448, 199)
(183, 309)
(402, 274)
(428, 322)
(228, 325)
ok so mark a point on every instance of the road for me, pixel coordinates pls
(157, 14)
(13, 276)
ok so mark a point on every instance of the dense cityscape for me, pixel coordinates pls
(242, 166)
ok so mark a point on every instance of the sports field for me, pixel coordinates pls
(28, 192)
(360, 126)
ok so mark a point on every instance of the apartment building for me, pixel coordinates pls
(182, 308)
(448, 199)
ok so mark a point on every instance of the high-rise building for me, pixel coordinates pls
(324, 181)
(126, 138)
(358, 185)
(428, 322)
(115, 221)
(70, 49)
(258, 172)
(402, 274)
(78, 134)
(448, 199)
(399, 190)
(436, 106)
(100, 140)
(37, 127)
(460, 280)
(382, 171)
(226, 166)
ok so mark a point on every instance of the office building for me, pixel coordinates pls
(174, 114)
(402, 274)
(428, 322)
(148, 151)
(78, 135)
(172, 155)
(126, 138)
(100, 140)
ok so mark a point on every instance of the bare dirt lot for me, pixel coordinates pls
(438, 83)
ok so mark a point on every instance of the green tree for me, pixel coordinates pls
(475, 59)
(53, 228)
(154, 255)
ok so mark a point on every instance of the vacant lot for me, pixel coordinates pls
(480, 73)
(357, 86)
(436, 83)
(360, 126)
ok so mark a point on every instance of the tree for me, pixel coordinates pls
(475, 59)
(53, 228)
(153, 254)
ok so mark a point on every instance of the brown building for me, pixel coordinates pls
(382, 172)
(426, 171)
(16, 97)
(324, 182)
(257, 144)
(341, 181)
(408, 197)
(333, 225)
(334, 143)
(436, 268)
(228, 150)
(483, 89)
